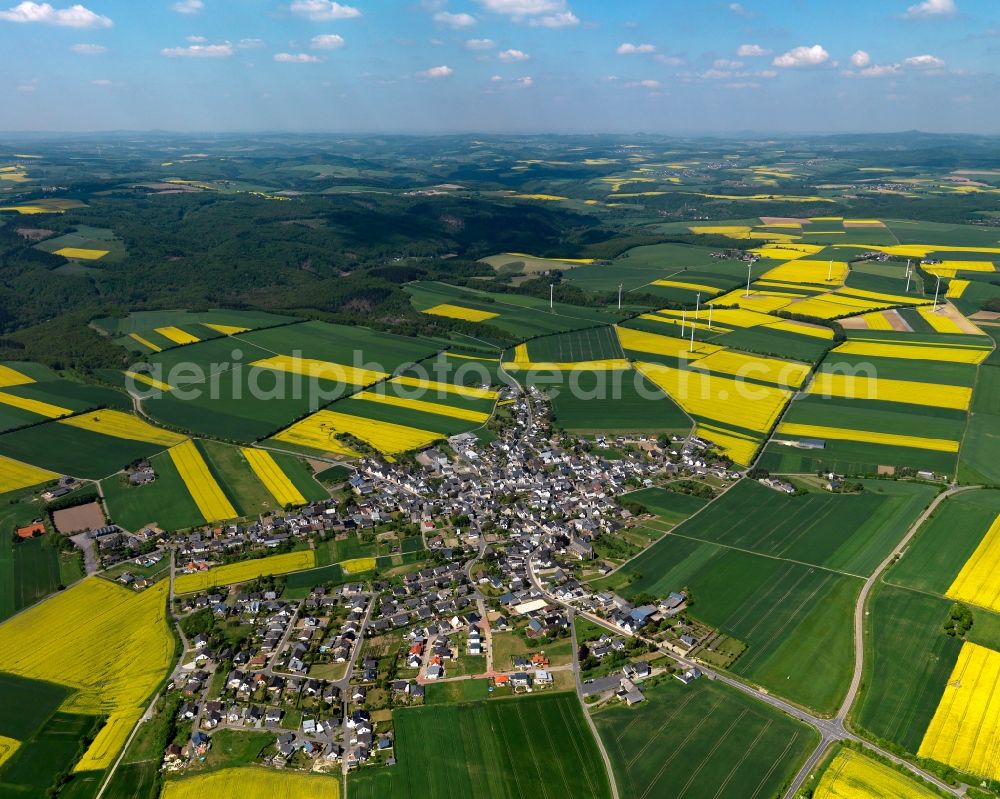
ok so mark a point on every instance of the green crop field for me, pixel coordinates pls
(641, 265)
(590, 344)
(908, 659)
(794, 619)
(778, 343)
(510, 748)
(703, 741)
(166, 502)
(668, 505)
(847, 532)
(978, 461)
(946, 541)
(53, 748)
(71, 450)
(609, 402)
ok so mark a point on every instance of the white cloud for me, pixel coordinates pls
(455, 20)
(627, 48)
(102, 82)
(28, 86)
(296, 58)
(250, 44)
(802, 57)
(931, 8)
(725, 63)
(195, 39)
(924, 62)
(739, 10)
(496, 79)
(479, 44)
(860, 58)
(564, 19)
(88, 49)
(188, 6)
(436, 72)
(323, 10)
(222, 50)
(880, 70)
(76, 16)
(526, 82)
(669, 60)
(766, 73)
(538, 13)
(649, 83)
(752, 50)
(327, 41)
(513, 55)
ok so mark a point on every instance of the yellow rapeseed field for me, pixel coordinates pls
(719, 398)
(802, 328)
(273, 477)
(786, 252)
(956, 288)
(357, 565)
(605, 365)
(727, 317)
(737, 446)
(641, 341)
(318, 431)
(917, 352)
(149, 381)
(979, 580)
(851, 775)
(876, 320)
(123, 425)
(965, 730)
(459, 312)
(939, 320)
(756, 367)
(762, 302)
(251, 782)
(81, 253)
(145, 342)
(700, 324)
(805, 270)
(11, 377)
(425, 407)
(880, 296)
(226, 330)
(866, 437)
(114, 646)
(245, 570)
(732, 231)
(546, 197)
(914, 392)
(830, 306)
(683, 284)
(212, 502)
(323, 370)
(176, 335)
(46, 409)
(8, 746)
(436, 387)
(15, 475)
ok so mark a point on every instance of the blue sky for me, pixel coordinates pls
(672, 66)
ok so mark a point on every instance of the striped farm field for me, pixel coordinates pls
(205, 491)
(123, 425)
(321, 370)
(790, 429)
(802, 328)
(804, 270)
(719, 398)
(274, 479)
(251, 782)
(15, 475)
(81, 253)
(681, 284)
(176, 335)
(441, 389)
(147, 380)
(245, 570)
(319, 432)
(653, 344)
(8, 746)
(226, 330)
(979, 580)
(440, 409)
(965, 730)
(918, 352)
(755, 367)
(831, 384)
(459, 312)
(145, 342)
(851, 775)
(46, 409)
(956, 288)
(111, 645)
